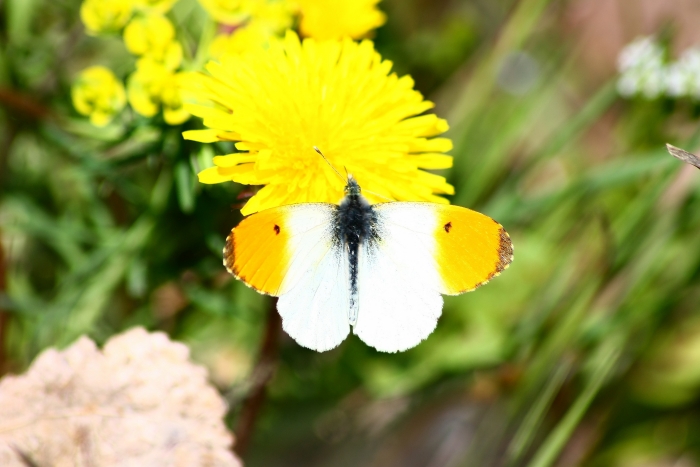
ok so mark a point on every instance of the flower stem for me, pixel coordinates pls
(4, 315)
(205, 39)
(262, 374)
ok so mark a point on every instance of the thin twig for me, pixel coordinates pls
(261, 375)
(684, 155)
(19, 102)
(4, 315)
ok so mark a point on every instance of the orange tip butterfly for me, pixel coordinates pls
(378, 269)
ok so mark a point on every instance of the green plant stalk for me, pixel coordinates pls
(477, 93)
(591, 112)
(493, 157)
(208, 33)
(603, 364)
(526, 432)
(560, 339)
(487, 172)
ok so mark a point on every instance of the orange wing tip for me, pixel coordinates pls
(505, 252)
(229, 264)
(228, 255)
(505, 257)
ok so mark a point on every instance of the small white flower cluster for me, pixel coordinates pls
(138, 402)
(645, 71)
(683, 76)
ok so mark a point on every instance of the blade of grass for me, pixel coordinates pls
(528, 428)
(602, 365)
(477, 93)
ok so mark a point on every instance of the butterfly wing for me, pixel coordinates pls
(315, 311)
(290, 252)
(422, 250)
(397, 308)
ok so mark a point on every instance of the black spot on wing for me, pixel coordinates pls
(448, 227)
(276, 228)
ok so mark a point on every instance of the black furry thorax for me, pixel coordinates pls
(355, 218)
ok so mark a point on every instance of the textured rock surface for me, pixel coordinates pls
(138, 402)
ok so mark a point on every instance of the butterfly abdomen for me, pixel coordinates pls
(355, 223)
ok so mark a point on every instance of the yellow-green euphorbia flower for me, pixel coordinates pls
(105, 16)
(160, 6)
(249, 37)
(98, 94)
(232, 12)
(153, 35)
(268, 20)
(153, 86)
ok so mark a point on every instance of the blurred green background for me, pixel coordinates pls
(586, 351)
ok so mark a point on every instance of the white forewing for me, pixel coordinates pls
(398, 284)
(315, 305)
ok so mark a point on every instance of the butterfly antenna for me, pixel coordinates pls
(345, 180)
(378, 195)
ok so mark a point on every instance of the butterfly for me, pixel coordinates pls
(378, 269)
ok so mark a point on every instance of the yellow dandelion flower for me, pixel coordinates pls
(152, 87)
(153, 35)
(335, 19)
(277, 104)
(105, 16)
(160, 6)
(98, 94)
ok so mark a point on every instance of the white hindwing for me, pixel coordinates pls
(398, 284)
(315, 305)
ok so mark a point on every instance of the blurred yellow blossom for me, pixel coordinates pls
(153, 35)
(160, 6)
(280, 102)
(98, 94)
(153, 86)
(105, 16)
(268, 20)
(231, 12)
(335, 19)
(273, 15)
(248, 37)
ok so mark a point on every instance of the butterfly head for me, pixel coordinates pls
(352, 188)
